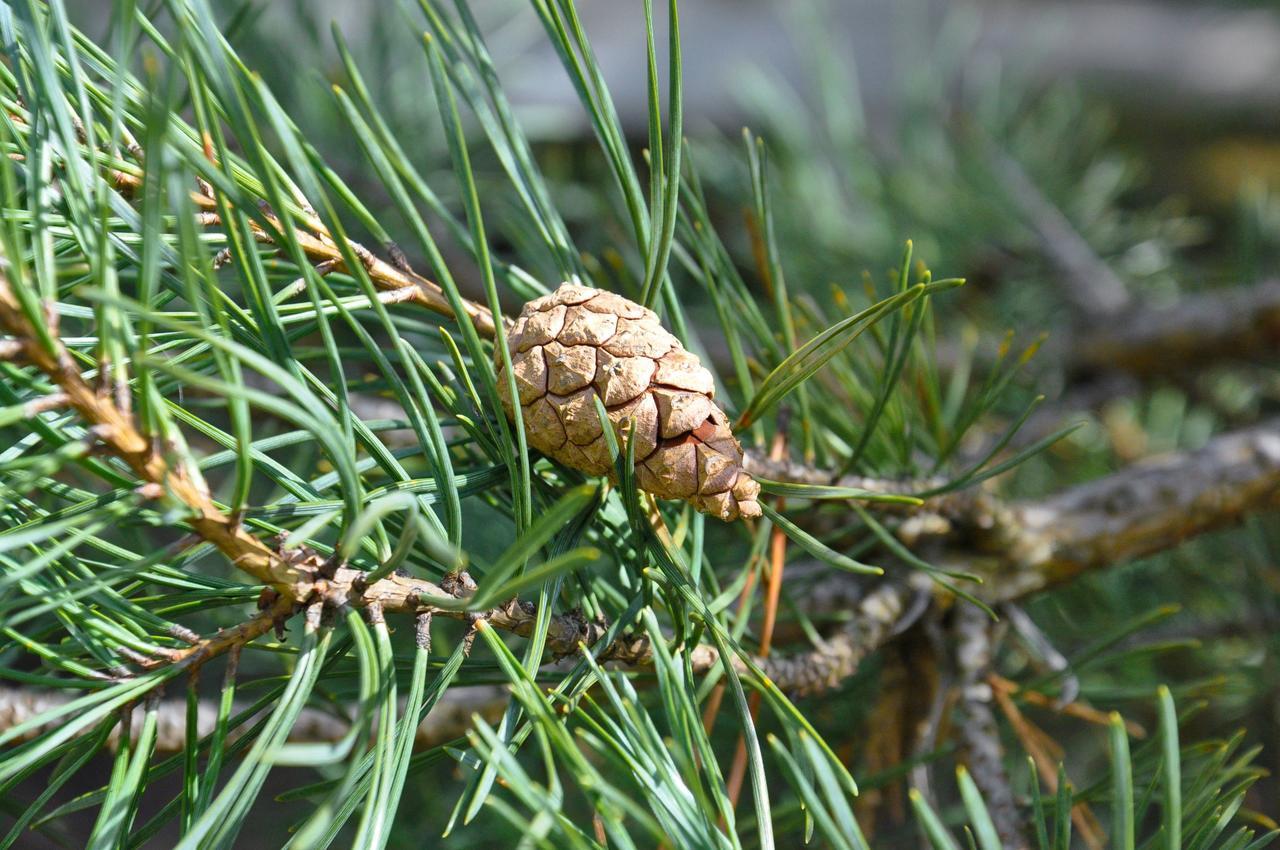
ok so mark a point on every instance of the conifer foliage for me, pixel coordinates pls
(281, 562)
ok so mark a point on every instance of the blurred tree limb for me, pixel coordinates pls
(1239, 323)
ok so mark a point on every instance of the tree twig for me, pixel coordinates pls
(974, 650)
(322, 250)
(1143, 509)
(272, 616)
(1239, 322)
(296, 580)
(1026, 547)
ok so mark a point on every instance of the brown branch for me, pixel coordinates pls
(296, 580)
(974, 649)
(1026, 547)
(117, 432)
(1240, 322)
(1141, 510)
(320, 248)
(274, 613)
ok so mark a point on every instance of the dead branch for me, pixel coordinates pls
(1027, 547)
(1143, 509)
(974, 651)
(1240, 322)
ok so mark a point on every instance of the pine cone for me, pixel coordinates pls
(578, 343)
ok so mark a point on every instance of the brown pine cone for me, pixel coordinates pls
(579, 342)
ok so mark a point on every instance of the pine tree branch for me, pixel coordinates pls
(1033, 544)
(320, 247)
(296, 580)
(273, 614)
(977, 729)
(117, 431)
(1239, 322)
(1141, 510)
(1027, 547)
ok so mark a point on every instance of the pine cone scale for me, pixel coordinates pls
(578, 344)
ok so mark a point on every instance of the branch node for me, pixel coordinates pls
(422, 631)
(149, 490)
(473, 624)
(53, 401)
(458, 584)
(329, 566)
